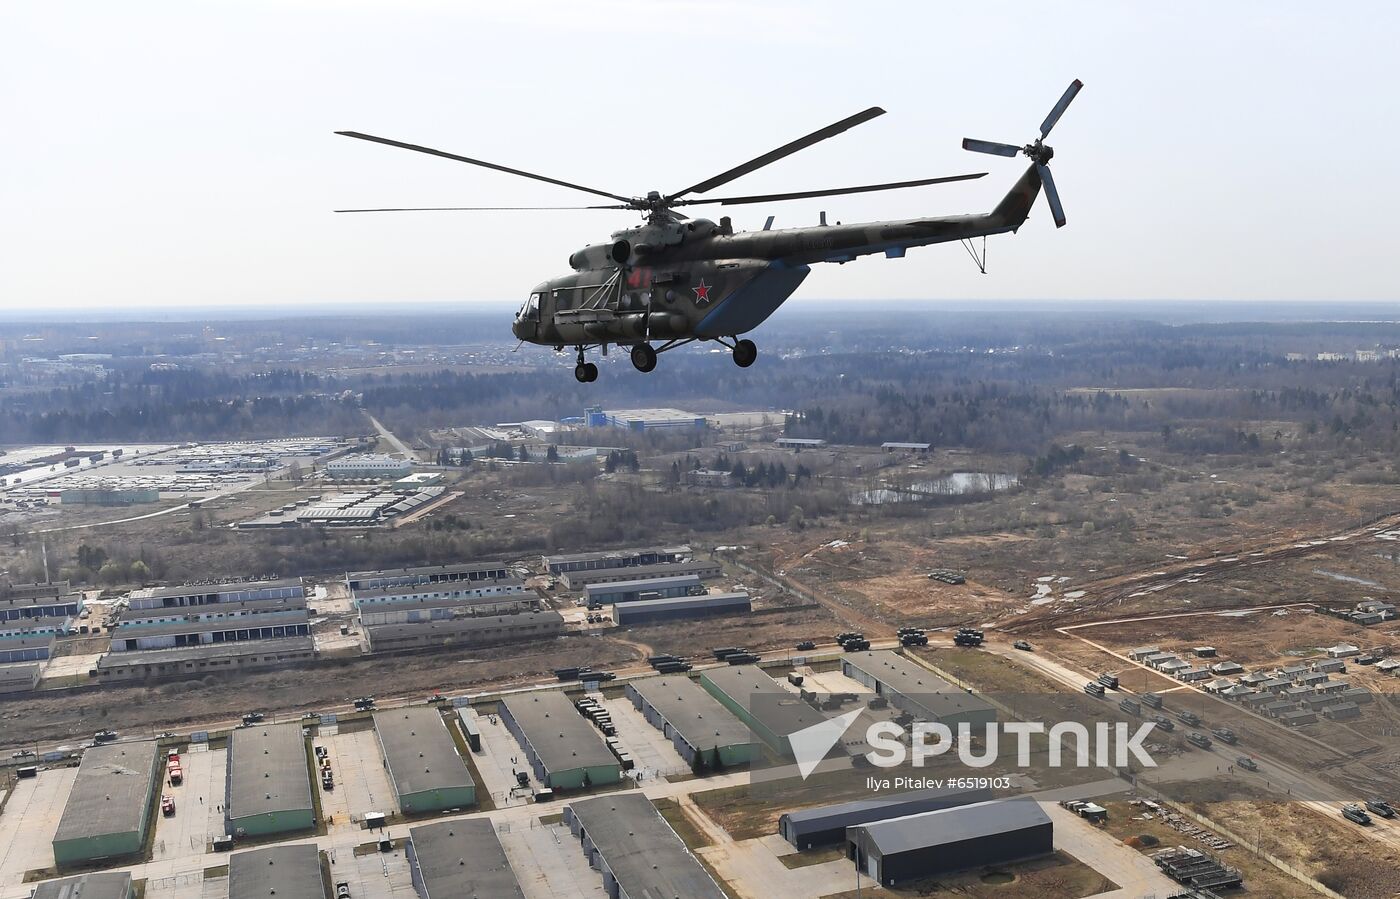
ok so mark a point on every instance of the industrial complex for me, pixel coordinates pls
(110, 807)
(269, 781)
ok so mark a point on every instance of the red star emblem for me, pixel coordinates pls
(702, 293)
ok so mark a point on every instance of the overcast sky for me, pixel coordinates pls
(181, 153)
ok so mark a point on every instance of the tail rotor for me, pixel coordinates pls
(1038, 152)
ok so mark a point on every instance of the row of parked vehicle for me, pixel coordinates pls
(323, 764)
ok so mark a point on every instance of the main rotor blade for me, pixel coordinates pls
(490, 165)
(833, 192)
(1065, 99)
(987, 146)
(1052, 195)
(801, 143)
(475, 208)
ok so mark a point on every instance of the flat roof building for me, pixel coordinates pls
(615, 558)
(28, 607)
(427, 574)
(799, 442)
(564, 750)
(460, 860)
(581, 579)
(26, 647)
(427, 773)
(481, 630)
(96, 885)
(695, 721)
(204, 594)
(291, 871)
(109, 808)
(651, 611)
(899, 850)
(770, 711)
(420, 610)
(130, 636)
(18, 677)
(912, 688)
(269, 782)
(599, 595)
(369, 465)
(212, 658)
(647, 419)
(826, 825)
(639, 855)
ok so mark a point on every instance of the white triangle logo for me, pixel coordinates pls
(811, 744)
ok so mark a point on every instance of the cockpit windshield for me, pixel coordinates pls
(531, 309)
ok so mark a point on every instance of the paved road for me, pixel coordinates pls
(398, 445)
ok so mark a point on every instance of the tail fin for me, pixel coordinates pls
(1013, 209)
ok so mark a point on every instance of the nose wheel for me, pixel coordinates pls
(745, 353)
(643, 357)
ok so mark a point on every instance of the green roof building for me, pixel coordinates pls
(109, 809)
(422, 760)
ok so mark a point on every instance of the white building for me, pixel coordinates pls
(370, 465)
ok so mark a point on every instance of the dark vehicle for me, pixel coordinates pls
(914, 640)
(1355, 813)
(23, 754)
(1130, 706)
(522, 778)
(1225, 735)
(1381, 807)
(847, 635)
(806, 646)
(436, 698)
(1186, 716)
(1196, 738)
(1151, 700)
(879, 702)
(596, 675)
(364, 703)
(859, 645)
(1094, 688)
(1021, 645)
(27, 771)
(567, 674)
(253, 717)
(1247, 763)
(726, 652)
(742, 658)
(104, 736)
(1163, 722)
(1109, 680)
(342, 890)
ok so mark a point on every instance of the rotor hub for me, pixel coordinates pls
(1038, 152)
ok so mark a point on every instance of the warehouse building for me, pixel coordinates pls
(580, 580)
(826, 825)
(97, 885)
(108, 496)
(416, 482)
(287, 872)
(770, 711)
(625, 838)
(483, 630)
(130, 636)
(220, 658)
(896, 446)
(899, 850)
(651, 611)
(460, 860)
(645, 419)
(615, 558)
(413, 612)
(427, 773)
(599, 595)
(692, 719)
(912, 688)
(26, 648)
(799, 443)
(427, 574)
(19, 677)
(224, 611)
(34, 608)
(109, 808)
(564, 750)
(205, 594)
(369, 466)
(269, 783)
(507, 593)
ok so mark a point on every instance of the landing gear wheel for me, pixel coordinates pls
(643, 357)
(592, 371)
(745, 353)
(585, 372)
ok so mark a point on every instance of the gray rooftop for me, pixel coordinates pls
(222, 587)
(599, 556)
(419, 750)
(697, 716)
(39, 601)
(412, 590)
(643, 572)
(227, 611)
(643, 607)
(560, 736)
(449, 626)
(780, 710)
(28, 641)
(463, 860)
(97, 885)
(110, 793)
(267, 770)
(863, 811)
(195, 625)
(953, 825)
(426, 570)
(291, 871)
(279, 645)
(641, 850)
(652, 583)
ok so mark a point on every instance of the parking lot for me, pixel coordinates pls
(197, 801)
(375, 875)
(494, 762)
(30, 822)
(548, 861)
(361, 780)
(651, 751)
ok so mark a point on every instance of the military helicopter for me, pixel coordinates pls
(674, 280)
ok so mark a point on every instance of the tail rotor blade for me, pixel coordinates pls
(986, 146)
(1052, 195)
(1065, 99)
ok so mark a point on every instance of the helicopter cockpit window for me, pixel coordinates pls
(531, 309)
